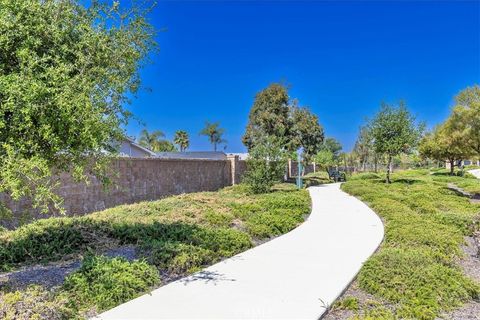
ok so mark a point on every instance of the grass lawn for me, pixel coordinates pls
(172, 237)
(416, 274)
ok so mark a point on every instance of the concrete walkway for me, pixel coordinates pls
(295, 276)
(475, 172)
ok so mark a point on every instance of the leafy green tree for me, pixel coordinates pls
(332, 145)
(182, 140)
(445, 142)
(266, 164)
(466, 118)
(150, 140)
(394, 131)
(214, 134)
(458, 138)
(325, 159)
(269, 116)
(307, 132)
(364, 146)
(66, 72)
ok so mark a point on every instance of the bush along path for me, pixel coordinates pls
(428, 266)
(76, 267)
(295, 276)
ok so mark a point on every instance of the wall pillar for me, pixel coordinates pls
(289, 172)
(234, 168)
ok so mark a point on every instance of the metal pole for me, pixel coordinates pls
(299, 171)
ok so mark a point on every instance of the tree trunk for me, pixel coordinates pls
(452, 166)
(389, 164)
(214, 146)
(375, 163)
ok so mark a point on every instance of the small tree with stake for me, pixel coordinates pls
(394, 131)
(265, 164)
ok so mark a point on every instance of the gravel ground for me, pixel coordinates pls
(47, 276)
(53, 274)
(470, 264)
(354, 291)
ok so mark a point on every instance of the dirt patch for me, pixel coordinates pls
(470, 263)
(470, 311)
(47, 276)
(365, 301)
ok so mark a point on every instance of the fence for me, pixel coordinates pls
(137, 179)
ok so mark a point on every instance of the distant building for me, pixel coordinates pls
(129, 148)
(460, 163)
(212, 155)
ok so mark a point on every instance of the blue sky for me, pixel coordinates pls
(340, 58)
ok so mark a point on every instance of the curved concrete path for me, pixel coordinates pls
(475, 172)
(295, 276)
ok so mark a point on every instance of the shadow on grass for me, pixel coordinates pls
(448, 174)
(405, 181)
(53, 239)
(408, 181)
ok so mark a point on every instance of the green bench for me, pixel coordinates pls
(336, 175)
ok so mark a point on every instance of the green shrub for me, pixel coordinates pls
(218, 219)
(366, 176)
(105, 283)
(266, 224)
(265, 165)
(298, 200)
(133, 233)
(417, 281)
(180, 253)
(244, 210)
(180, 258)
(225, 241)
(347, 303)
(425, 224)
(44, 240)
(33, 303)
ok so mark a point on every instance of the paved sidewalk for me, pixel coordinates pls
(295, 276)
(475, 172)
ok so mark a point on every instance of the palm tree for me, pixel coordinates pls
(151, 140)
(181, 140)
(164, 146)
(214, 134)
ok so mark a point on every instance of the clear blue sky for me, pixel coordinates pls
(340, 58)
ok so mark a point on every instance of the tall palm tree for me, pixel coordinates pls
(151, 140)
(214, 134)
(182, 140)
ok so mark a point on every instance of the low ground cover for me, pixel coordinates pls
(173, 237)
(415, 274)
